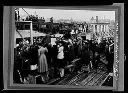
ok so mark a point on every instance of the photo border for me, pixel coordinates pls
(9, 25)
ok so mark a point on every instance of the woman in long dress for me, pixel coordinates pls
(42, 64)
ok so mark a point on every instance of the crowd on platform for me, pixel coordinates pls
(42, 57)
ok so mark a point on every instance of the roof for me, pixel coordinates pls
(45, 23)
(24, 21)
(26, 33)
(100, 23)
(55, 23)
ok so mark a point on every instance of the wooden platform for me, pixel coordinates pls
(93, 78)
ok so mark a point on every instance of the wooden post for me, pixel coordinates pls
(31, 30)
(98, 28)
(18, 15)
(104, 28)
(94, 28)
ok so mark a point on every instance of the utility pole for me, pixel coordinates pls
(31, 30)
(18, 15)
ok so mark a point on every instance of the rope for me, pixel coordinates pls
(25, 11)
(20, 35)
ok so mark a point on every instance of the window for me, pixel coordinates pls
(27, 27)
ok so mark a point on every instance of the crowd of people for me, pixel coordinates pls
(33, 18)
(42, 57)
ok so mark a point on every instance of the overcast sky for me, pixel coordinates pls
(83, 15)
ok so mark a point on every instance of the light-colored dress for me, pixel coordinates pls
(42, 65)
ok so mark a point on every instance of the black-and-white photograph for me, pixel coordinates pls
(64, 47)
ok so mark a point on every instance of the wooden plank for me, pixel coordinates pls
(100, 80)
(53, 80)
(80, 80)
(103, 81)
(74, 79)
(88, 79)
(95, 79)
(63, 82)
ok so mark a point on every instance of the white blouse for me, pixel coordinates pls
(61, 53)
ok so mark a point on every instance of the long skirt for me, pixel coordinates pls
(42, 66)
